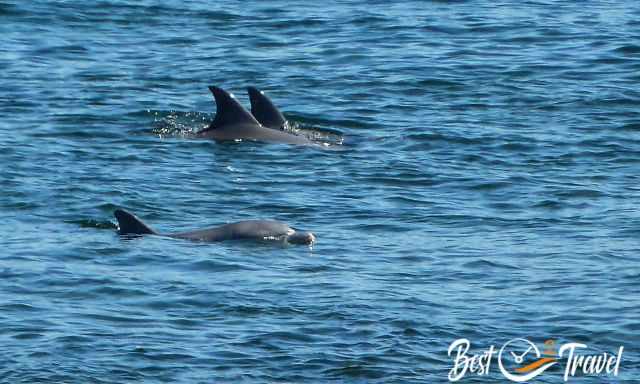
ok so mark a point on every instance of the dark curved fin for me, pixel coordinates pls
(130, 225)
(264, 111)
(228, 110)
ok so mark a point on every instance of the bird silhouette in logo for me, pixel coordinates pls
(521, 367)
(520, 358)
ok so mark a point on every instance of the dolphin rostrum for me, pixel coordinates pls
(265, 111)
(233, 122)
(129, 224)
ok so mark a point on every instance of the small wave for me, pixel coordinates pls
(549, 204)
(635, 126)
(581, 192)
(119, 292)
(315, 121)
(357, 370)
(482, 264)
(18, 307)
(178, 123)
(431, 137)
(445, 29)
(117, 319)
(323, 135)
(28, 336)
(54, 50)
(216, 266)
(92, 223)
(448, 85)
(309, 22)
(368, 20)
(629, 49)
(315, 268)
(490, 186)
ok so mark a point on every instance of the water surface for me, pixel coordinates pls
(487, 188)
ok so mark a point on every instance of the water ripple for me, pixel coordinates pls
(481, 184)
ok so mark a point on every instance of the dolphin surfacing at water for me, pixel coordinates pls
(267, 114)
(258, 230)
(233, 122)
(263, 109)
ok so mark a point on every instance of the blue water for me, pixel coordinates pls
(487, 188)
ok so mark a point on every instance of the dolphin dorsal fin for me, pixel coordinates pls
(264, 110)
(228, 110)
(129, 224)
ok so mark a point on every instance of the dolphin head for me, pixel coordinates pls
(301, 237)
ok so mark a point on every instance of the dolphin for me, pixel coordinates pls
(233, 122)
(265, 111)
(129, 224)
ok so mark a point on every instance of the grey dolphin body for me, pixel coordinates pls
(129, 224)
(265, 111)
(233, 122)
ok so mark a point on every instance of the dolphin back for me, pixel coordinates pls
(249, 229)
(233, 122)
(129, 224)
